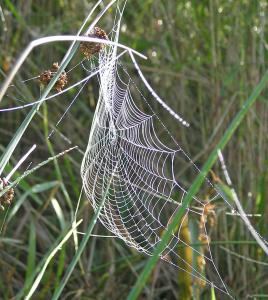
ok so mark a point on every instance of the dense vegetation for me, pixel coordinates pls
(205, 58)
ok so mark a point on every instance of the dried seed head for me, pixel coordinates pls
(203, 238)
(55, 67)
(200, 282)
(209, 208)
(47, 75)
(7, 198)
(201, 262)
(88, 49)
(202, 222)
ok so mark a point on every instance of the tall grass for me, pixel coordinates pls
(205, 59)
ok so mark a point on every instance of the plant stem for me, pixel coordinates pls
(83, 244)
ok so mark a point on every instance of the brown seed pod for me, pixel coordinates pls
(88, 49)
(203, 238)
(201, 262)
(47, 75)
(7, 198)
(199, 282)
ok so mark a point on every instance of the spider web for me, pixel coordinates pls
(128, 164)
(134, 167)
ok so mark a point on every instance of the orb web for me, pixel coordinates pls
(128, 165)
(133, 161)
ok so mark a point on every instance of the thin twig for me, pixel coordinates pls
(262, 243)
(27, 173)
(20, 162)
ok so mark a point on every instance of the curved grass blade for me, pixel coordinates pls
(49, 258)
(24, 125)
(142, 279)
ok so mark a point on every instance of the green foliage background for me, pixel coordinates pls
(205, 59)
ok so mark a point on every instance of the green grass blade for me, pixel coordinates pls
(261, 201)
(79, 252)
(27, 173)
(47, 261)
(67, 58)
(31, 252)
(15, 12)
(24, 125)
(213, 296)
(59, 213)
(142, 279)
(62, 256)
(30, 192)
(40, 265)
(83, 244)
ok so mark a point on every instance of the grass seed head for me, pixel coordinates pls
(88, 49)
(47, 75)
(7, 198)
